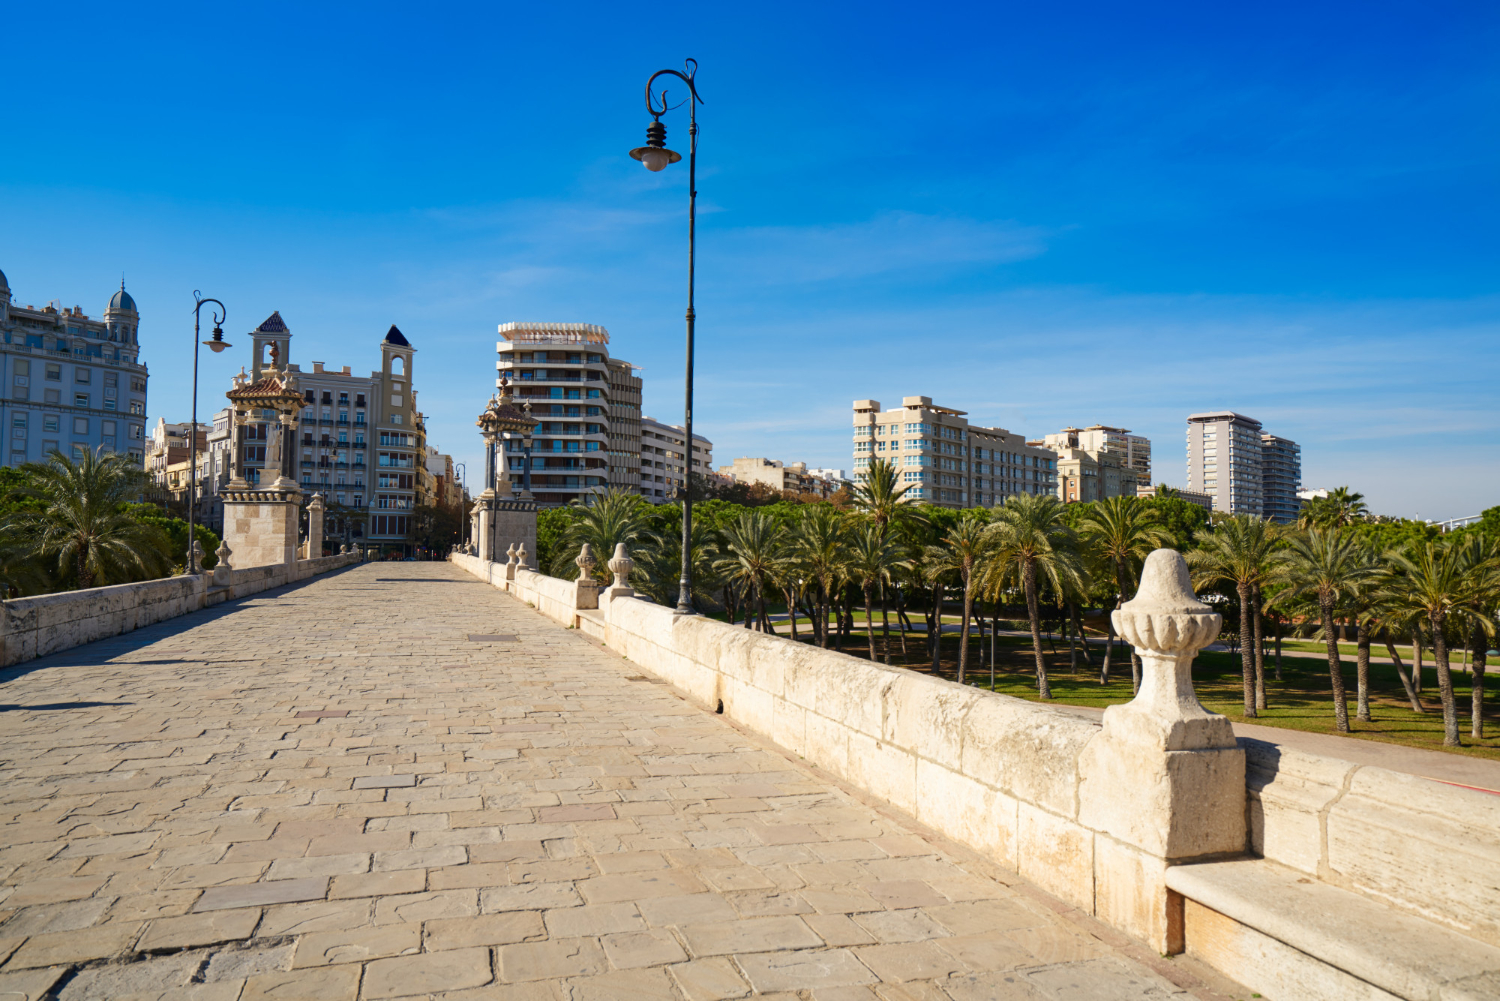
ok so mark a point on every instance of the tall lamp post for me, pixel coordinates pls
(463, 478)
(655, 156)
(216, 344)
(526, 453)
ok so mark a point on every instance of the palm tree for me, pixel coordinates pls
(881, 498)
(20, 572)
(658, 565)
(1240, 551)
(84, 530)
(1339, 509)
(1120, 532)
(961, 553)
(871, 560)
(615, 517)
(1481, 555)
(821, 550)
(1029, 540)
(1329, 566)
(754, 557)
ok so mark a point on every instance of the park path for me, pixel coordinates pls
(397, 782)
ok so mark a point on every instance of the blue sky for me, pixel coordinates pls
(1041, 214)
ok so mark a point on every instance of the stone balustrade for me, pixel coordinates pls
(1130, 821)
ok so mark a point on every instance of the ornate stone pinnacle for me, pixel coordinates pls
(510, 555)
(521, 556)
(585, 560)
(620, 565)
(1165, 616)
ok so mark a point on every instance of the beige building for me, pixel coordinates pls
(360, 441)
(944, 459)
(662, 470)
(791, 477)
(1097, 462)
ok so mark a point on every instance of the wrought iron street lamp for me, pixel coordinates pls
(216, 345)
(526, 452)
(655, 156)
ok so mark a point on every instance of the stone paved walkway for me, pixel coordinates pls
(335, 791)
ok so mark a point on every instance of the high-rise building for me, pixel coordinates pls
(945, 460)
(662, 469)
(788, 477)
(1224, 461)
(1098, 462)
(564, 371)
(68, 382)
(624, 426)
(1281, 478)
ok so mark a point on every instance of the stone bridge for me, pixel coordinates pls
(398, 781)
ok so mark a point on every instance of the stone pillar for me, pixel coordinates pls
(315, 527)
(223, 572)
(587, 593)
(510, 562)
(521, 557)
(620, 565)
(486, 534)
(260, 525)
(515, 523)
(1164, 781)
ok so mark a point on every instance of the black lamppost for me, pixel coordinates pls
(216, 345)
(655, 156)
(526, 453)
(463, 478)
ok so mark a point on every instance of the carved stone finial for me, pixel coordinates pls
(521, 556)
(585, 560)
(510, 555)
(620, 565)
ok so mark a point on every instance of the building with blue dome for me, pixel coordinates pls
(70, 382)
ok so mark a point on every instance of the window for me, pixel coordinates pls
(80, 399)
(395, 418)
(111, 380)
(19, 421)
(138, 408)
(54, 373)
(83, 375)
(80, 425)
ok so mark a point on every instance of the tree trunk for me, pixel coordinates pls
(869, 621)
(885, 624)
(1109, 647)
(1260, 652)
(765, 619)
(1072, 641)
(963, 629)
(1278, 646)
(935, 632)
(1411, 691)
(1335, 673)
(1083, 637)
(1416, 657)
(994, 631)
(903, 621)
(1476, 711)
(1445, 681)
(1362, 668)
(1247, 649)
(791, 612)
(1034, 613)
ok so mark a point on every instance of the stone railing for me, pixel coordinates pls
(50, 623)
(1130, 821)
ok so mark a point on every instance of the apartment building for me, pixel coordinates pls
(69, 382)
(662, 469)
(564, 371)
(945, 460)
(361, 441)
(1281, 478)
(447, 491)
(1205, 501)
(624, 426)
(1098, 462)
(791, 477)
(1224, 461)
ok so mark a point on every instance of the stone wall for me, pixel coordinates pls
(49, 623)
(1426, 847)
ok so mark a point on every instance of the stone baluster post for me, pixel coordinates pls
(620, 565)
(587, 594)
(1164, 781)
(223, 572)
(315, 527)
(510, 562)
(521, 557)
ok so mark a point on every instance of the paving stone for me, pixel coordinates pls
(426, 973)
(709, 980)
(240, 964)
(384, 781)
(313, 916)
(334, 983)
(485, 929)
(60, 948)
(807, 970)
(378, 884)
(256, 894)
(551, 960)
(107, 983)
(623, 985)
(629, 950)
(909, 961)
(29, 985)
(356, 945)
(199, 929)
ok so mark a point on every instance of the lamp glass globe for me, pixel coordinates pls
(655, 159)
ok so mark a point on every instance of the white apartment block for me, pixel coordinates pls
(68, 382)
(789, 477)
(945, 460)
(1098, 462)
(662, 469)
(564, 371)
(1224, 461)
